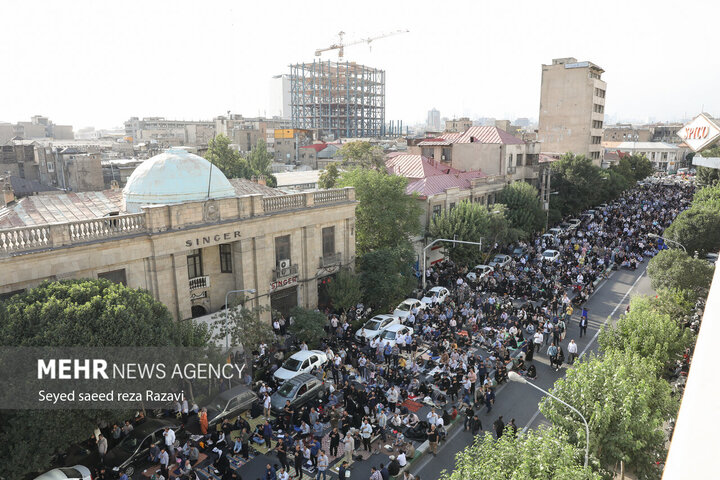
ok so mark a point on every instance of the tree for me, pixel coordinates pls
(259, 162)
(542, 453)
(640, 166)
(617, 179)
(707, 197)
(228, 160)
(243, 326)
(88, 313)
(674, 268)
(473, 222)
(363, 155)
(385, 216)
(577, 180)
(626, 405)
(648, 332)
(706, 175)
(386, 276)
(344, 290)
(329, 177)
(697, 229)
(308, 325)
(524, 211)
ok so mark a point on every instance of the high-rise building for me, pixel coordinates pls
(433, 120)
(280, 96)
(338, 99)
(572, 108)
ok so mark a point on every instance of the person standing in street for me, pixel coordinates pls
(433, 438)
(366, 433)
(583, 324)
(572, 352)
(499, 427)
(334, 442)
(322, 465)
(349, 446)
(102, 446)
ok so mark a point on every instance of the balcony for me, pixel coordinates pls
(281, 273)
(331, 260)
(199, 282)
(511, 170)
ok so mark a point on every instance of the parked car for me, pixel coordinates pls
(555, 231)
(389, 335)
(304, 361)
(76, 472)
(550, 255)
(500, 260)
(574, 223)
(548, 237)
(479, 272)
(519, 252)
(375, 325)
(403, 310)
(299, 390)
(565, 226)
(440, 293)
(133, 450)
(230, 403)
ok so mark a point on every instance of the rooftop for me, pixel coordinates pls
(646, 146)
(427, 177)
(479, 134)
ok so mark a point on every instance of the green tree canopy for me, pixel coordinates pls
(524, 211)
(578, 182)
(344, 290)
(707, 197)
(363, 154)
(543, 453)
(243, 325)
(308, 325)
(626, 405)
(226, 158)
(705, 175)
(385, 216)
(473, 222)
(259, 162)
(329, 177)
(640, 166)
(648, 332)
(67, 313)
(697, 229)
(674, 269)
(386, 276)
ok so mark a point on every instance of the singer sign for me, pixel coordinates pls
(699, 133)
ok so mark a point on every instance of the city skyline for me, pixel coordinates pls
(197, 62)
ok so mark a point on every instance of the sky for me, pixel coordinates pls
(97, 63)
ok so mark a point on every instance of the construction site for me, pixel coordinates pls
(338, 99)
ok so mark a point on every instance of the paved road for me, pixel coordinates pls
(519, 401)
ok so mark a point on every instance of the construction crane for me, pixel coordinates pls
(340, 45)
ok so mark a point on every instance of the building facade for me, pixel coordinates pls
(433, 120)
(169, 133)
(457, 125)
(664, 156)
(166, 234)
(572, 108)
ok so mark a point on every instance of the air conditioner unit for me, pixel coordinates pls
(443, 157)
(284, 264)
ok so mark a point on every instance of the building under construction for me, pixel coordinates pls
(339, 99)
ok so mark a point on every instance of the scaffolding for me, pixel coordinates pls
(342, 100)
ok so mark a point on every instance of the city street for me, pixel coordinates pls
(519, 401)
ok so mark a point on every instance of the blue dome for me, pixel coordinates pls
(174, 176)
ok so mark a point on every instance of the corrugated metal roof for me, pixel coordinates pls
(493, 135)
(243, 187)
(427, 187)
(66, 207)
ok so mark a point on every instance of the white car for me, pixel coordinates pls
(406, 306)
(375, 325)
(304, 361)
(389, 335)
(574, 223)
(440, 293)
(500, 260)
(78, 472)
(479, 272)
(555, 231)
(550, 255)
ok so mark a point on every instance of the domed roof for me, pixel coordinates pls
(174, 176)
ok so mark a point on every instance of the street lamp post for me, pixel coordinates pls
(667, 240)
(424, 277)
(249, 290)
(515, 377)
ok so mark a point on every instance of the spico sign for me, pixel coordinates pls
(699, 133)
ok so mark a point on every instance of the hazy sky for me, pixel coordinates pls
(99, 62)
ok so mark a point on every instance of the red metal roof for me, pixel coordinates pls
(427, 187)
(492, 135)
(318, 147)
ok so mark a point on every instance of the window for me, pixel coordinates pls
(116, 276)
(437, 210)
(282, 249)
(225, 258)
(194, 261)
(599, 124)
(600, 93)
(597, 108)
(452, 206)
(596, 140)
(328, 241)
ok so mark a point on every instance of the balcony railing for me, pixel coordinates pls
(199, 282)
(284, 202)
(330, 196)
(330, 260)
(280, 273)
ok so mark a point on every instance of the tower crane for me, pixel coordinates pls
(340, 45)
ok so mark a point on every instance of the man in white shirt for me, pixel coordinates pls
(432, 417)
(572, 351)
(402, 459)
(267, 403)
(169, 435)
(538, 340)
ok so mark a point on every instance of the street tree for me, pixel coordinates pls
(640, 166)
(673, 268)
(524, 211)
(386, 276)
(707, 197)
(308, 325)
(577, 181)
(329, 177)
(705, 175)
(74, 313)
(385, 216)
(362, 154)
(541, 453)
(473, 222)
(344, 290)
(648, 332)
(626, 405)
(243, 326)
(697, 229)
(259, 162)
(226, 158)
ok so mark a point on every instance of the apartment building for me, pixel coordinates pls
(572, 108)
